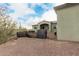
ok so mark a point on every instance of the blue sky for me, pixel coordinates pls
(30, 13)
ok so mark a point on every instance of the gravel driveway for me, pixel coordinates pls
(39, 47)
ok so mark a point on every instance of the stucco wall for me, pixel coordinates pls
(68, 23)
(44, 22)
(51, 26)
(34, 27)
(53, 29)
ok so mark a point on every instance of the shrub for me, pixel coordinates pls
(7, 26)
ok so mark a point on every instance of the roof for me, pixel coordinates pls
(66, 5)
(45, 22)
(40, 22)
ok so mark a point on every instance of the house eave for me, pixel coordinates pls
(66, 5)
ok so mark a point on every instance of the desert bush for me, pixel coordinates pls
(7, 26)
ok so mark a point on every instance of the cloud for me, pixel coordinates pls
(7, 7)
(28, 24)
(40, 8)
(21, 9)
(31, 13)
(50, 15)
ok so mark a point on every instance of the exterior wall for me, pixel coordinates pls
(45, 23)
(68, 23)
(51, 26)
(35, 29)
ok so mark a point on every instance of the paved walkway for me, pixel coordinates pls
(34, 47)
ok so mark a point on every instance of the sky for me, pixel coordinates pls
(28, 14)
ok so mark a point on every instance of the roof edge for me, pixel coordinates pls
(66, 5)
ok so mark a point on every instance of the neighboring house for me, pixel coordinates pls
(50, 26)
(68, 21)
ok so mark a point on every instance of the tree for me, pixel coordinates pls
(7, 26)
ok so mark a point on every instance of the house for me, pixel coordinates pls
(68, 21)
(50, 26)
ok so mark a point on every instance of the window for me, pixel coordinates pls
(54, 27)
(35, 27)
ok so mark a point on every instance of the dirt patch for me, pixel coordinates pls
(43, 47)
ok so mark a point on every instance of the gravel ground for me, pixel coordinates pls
(39, 47)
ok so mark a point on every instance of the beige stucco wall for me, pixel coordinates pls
(33, 27)
(68, 23)
(51, 26)
(45, 22)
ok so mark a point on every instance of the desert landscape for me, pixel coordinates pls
(39, 29)
(38, 47)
